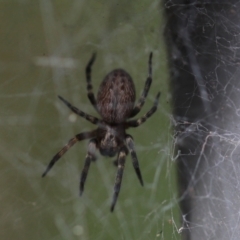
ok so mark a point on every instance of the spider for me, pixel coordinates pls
(115, 104)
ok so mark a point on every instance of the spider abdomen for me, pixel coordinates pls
(116, 96)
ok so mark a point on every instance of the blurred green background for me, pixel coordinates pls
(45, 46)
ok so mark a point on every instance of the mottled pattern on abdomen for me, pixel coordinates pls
(116, 96)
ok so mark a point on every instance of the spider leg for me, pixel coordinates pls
(88, 117)
(130, 144)
(137, 122)
(148, 82)
(71, 142)
(91, 96)
(92, 146)
(121, 162)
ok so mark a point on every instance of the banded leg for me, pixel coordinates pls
(92, 146)
(130, 144)
(88, 117)
(148, 82)
(91, 96)
(121, 163)
(71, 142)
(137, 122)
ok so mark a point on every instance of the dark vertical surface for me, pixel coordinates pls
(203, 48)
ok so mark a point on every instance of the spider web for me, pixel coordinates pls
(203, 39)
(46, 45)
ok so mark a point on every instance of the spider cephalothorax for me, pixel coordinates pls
(115, 104)
(109, 139)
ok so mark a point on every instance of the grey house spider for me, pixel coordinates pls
(115, 104)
